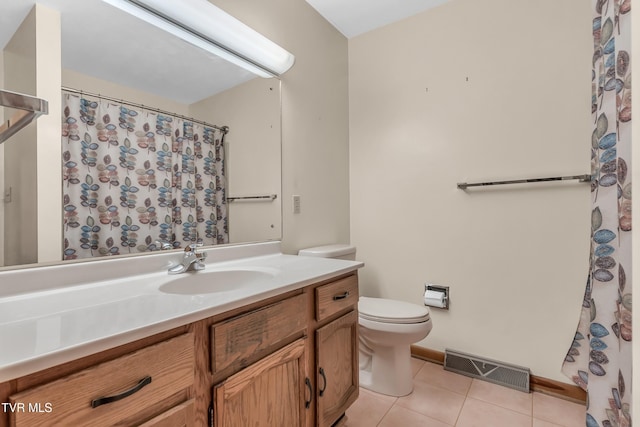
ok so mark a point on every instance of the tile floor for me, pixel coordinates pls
(444, 399)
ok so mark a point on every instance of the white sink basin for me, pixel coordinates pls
(218, 280)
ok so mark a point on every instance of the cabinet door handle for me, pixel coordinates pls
(341, 296)
(108, 399)
(324, 382)
(307, 403)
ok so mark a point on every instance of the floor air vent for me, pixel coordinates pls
(511, 376)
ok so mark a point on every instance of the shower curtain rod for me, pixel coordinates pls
(223, 129)
(581, 178)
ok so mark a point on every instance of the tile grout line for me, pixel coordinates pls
(531, 409)
(466, 397)
(386, 413)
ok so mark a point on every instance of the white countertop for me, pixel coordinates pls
(43, 326)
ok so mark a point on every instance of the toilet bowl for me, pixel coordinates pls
(387, 330)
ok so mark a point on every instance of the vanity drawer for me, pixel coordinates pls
(136, 381)
(182, 415)
(336, 296)
(240, 340)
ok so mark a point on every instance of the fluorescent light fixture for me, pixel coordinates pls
(208, 27)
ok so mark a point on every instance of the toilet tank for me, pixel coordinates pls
(338, 251)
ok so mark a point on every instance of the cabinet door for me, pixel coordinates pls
(337, 367)
(270, 393)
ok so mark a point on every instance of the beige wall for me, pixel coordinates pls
(475, 91)
(20, 176)
(253, 155)
(315, 135)
(49, 128)
(32, 66)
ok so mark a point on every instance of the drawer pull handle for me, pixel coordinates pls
(307, 403)
(341, 296)
(104, 400)
(324, 382)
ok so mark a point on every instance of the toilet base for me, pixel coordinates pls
(389, 371)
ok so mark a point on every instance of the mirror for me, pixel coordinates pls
(103, 51)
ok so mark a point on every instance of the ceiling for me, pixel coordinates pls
(355, 17)
(101, 41)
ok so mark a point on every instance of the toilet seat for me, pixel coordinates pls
(391, 311)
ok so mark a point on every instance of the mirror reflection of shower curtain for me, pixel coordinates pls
(133, 178)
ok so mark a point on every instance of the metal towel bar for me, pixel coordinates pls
(30, 109)
(581, 178)
(269, 197)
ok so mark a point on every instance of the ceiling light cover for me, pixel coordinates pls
(204, 25)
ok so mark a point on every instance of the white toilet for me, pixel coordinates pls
(387, 330)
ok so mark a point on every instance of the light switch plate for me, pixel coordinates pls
(296, 204)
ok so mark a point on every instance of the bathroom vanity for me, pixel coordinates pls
(282, 352)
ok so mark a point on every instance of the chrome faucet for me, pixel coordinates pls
(164, 245)
(192, 261)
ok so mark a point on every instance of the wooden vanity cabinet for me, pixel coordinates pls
(274, 391)
(336, 349)
(262, 356)
(337, 363)
(290, 360)
(118, 392)
(277, 389)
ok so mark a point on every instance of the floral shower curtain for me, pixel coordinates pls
(599, 359)
(134, 178)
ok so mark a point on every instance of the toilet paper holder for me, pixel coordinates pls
(442, 289)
